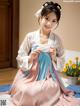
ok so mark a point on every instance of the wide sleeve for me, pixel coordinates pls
(60, 55)
(23, 57)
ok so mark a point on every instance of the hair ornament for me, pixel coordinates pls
(57, 5)
(38, 13)
(46, 4)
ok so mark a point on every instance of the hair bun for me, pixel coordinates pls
(57, 5)
(52, 4)
(45, 4)
(48, 3)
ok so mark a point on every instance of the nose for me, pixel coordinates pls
(49, 23)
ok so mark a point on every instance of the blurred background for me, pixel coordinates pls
(68, 29)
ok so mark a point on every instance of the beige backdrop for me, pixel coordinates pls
(69, 27)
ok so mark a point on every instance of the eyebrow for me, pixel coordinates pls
(55, 19)
(48, 17)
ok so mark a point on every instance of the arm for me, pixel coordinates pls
(60, 56)
(60, 65)
(23, 57)
(57, 53)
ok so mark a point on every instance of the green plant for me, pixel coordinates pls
(72, 68)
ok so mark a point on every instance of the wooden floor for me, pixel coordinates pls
(7, 75)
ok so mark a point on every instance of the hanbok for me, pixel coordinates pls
(38, 84)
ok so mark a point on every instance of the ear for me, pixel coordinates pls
(39, 19)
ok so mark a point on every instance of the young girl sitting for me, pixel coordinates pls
(41, 54)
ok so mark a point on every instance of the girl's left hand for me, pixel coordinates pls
(52, 53)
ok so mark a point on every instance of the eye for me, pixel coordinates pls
(54, 21)
(46, 18)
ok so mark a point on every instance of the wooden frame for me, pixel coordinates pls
(15, 31)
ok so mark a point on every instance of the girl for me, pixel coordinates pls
(37, 82)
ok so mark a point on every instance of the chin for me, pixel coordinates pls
(47, 29)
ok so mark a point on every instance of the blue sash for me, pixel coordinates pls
(45, 65)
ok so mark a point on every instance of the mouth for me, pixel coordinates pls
(47, 27)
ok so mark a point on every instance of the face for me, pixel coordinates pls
(47, 23)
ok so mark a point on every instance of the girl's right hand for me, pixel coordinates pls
(34, 55)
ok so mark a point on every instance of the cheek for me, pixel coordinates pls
(55, 25)
(42, 22)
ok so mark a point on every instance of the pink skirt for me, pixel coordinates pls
(29, 92)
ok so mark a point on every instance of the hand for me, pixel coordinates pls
(34, 55)
(52, 53)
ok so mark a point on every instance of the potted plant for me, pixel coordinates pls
(72, 70)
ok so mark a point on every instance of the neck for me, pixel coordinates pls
(43, 33)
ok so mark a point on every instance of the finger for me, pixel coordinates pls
(38, 51)
(52, 50)
(35, 54)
